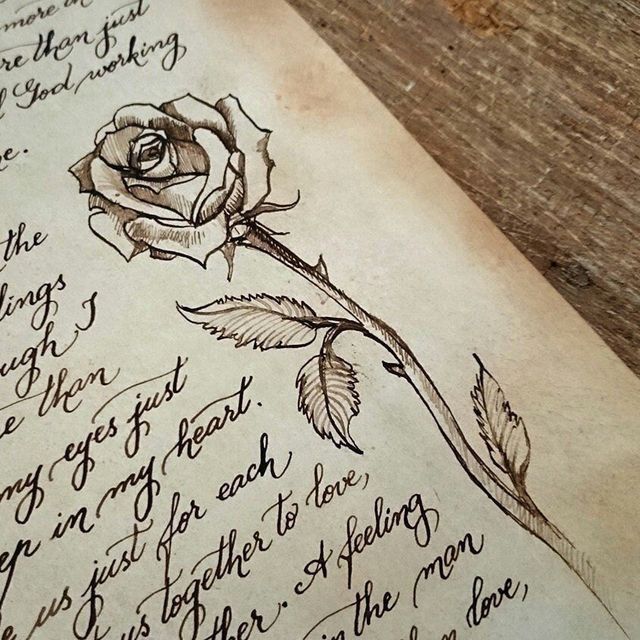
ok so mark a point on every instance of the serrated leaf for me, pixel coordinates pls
(263, 321)
(502, 429)
(328, 397)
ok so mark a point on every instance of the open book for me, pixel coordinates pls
(265, 369)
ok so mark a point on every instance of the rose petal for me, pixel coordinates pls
(109, 183)
(179, 196)
(195, 243)
(252, 141)
(233, 203)
(108, 224)
(110, 127)
(160, 166)
(181, 157)
(115, 147)
(191, 157)
(200, 115)
(82, 172)
(149, 117)
(228, 198)
(218, 161)
(157, 184)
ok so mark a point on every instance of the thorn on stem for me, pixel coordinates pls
(321, 268)
(395, 368)
(229, 251)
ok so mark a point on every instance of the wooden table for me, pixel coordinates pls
(533, 107)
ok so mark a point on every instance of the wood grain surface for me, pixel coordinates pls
(533, 107)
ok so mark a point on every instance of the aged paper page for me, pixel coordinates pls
(266, 371)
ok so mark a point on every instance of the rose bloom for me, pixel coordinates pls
(176, 179)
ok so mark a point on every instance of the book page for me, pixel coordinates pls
(266, 370)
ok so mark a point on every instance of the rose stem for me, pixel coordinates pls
(519, 508)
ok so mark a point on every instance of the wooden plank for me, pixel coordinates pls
(533, 107)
